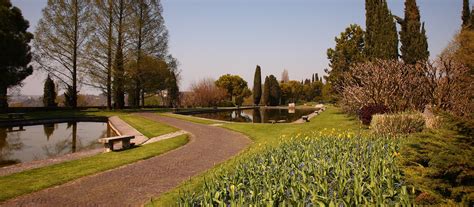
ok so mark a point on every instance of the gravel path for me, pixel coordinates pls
(135, 184)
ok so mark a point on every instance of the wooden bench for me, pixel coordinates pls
(110, 141)
(16, 115)
(305, 118)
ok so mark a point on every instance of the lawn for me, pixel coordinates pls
(148, 127)
(190, 118)
(264, 135)
(37, 179)
(41, 178)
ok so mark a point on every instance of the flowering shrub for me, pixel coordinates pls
(322, 169)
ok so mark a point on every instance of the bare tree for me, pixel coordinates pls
(206, 93)
(149, 37)
(285, 78)
(100, 50)
(61, 35)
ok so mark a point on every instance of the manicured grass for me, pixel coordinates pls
(264, 135)
(148, 127)
(41, 178)
(190, 118)
(76, 113)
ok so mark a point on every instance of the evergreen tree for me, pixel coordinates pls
(381, 35)
(471, 27)
(316, 77)
(266, 92)
(466, 14)
(257, 86)
(49, 93)
(349, 50)
(414, 46)
(312, 79)
(15, 54)
(274, 91)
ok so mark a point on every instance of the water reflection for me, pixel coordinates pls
(262, 115)
(49, 140)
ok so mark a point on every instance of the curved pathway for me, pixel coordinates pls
(134, 184)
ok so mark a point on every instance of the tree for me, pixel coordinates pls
(257, 86)
(206, 93)
(15, 55)
(291, 92)
(99, 49)
(233, 84)
(285, 77)
(275, 91)
(121, 12)
(49, 93)
(266, 92)
(381, 40)
(61, 36)
(149, 37)
(466, 14)
(349, 50)
(414, 42)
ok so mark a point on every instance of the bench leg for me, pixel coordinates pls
(125, 143)
(109, 146)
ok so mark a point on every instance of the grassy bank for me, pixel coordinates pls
(190, 118)
(263, 135)
(41, 178)
(37, 179)
(148, 127)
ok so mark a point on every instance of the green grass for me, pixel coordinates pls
(148, 127)
(190, 118)
(41, 178)
(264, 135)
(79, 113)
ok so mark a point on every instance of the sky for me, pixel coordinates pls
(211, 38)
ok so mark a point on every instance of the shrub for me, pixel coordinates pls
(401, 123)
(438, 164)
(366, 112)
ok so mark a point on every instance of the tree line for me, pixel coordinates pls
(117, 46)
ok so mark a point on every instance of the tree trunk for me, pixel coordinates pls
(74, 56)
(3, 97)
(109, 57)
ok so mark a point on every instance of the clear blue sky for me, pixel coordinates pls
(214, 37)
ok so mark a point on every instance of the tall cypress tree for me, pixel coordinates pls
(49, 93)
(466, 13)
(257, 86)
(381, 36)
(266, 92)
(412, 36)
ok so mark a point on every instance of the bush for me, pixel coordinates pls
(401, 123)
(366, 112)
(438, 164)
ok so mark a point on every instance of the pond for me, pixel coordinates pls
(37, 142)
(261, 115)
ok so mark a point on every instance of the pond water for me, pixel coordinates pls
(261, 115)
(49, 140)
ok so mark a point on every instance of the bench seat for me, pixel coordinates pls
(109, 141)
